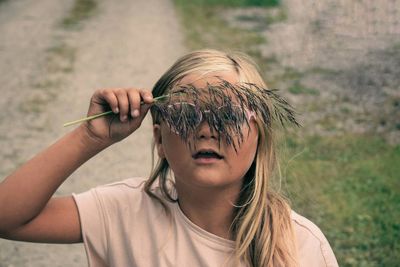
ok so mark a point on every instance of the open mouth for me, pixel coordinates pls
(207, 154)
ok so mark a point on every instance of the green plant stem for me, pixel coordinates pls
(87, 118)
(105, 113)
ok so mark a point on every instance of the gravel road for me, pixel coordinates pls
(49, 72)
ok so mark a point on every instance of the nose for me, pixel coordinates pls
(204, 131)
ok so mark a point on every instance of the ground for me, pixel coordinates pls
(50, 65)
(338, 62)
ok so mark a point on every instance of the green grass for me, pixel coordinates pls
(350, 187)
(229, 3)
(60, 58)
(297, 88)
(204, 28)
(81, 10)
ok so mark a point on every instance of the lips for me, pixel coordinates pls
(207, 154)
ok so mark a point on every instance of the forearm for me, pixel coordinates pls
(24, 193)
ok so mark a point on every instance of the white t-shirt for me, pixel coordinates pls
(123, 226)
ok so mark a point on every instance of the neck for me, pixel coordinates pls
(211, 209)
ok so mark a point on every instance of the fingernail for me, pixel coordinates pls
(116, 110)
(135, 113)
(124, 118)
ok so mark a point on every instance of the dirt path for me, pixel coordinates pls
(48, 74)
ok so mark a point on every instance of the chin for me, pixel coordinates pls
(213, 181)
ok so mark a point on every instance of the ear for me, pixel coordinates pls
(158, 140)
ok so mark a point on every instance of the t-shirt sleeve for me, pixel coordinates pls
(106, 214)
(93, 227)
(314, 248)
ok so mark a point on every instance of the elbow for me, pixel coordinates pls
(8, 229)
(12, 233)
(6, 233)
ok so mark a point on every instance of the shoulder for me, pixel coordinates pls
(108, 212)
(314, 248)
(127, 184)
(125, 196)
(120, 190)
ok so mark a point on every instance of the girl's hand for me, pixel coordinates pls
(127, 117)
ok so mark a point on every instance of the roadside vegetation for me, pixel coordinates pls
(347, 183)
(80, 11)
(59, 60)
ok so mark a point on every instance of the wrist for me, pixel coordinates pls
(90, 140)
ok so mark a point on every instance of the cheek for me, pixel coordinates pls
(177, 155)
(252, 143)
(250, 148)
(174, 148)
(250, 136)
(247, 151)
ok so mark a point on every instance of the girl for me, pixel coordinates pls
(207, 202)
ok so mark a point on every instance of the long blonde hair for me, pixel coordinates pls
(262, 226)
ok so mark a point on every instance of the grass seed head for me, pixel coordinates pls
(216, 103)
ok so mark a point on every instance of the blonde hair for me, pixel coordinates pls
(262, 226)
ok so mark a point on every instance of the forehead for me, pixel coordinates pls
(199, 80)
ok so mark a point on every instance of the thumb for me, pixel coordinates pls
(144, 108)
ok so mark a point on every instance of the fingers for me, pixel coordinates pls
(127, 102)
(111, 99)
(123, 104)
(146, 96)
(147, 100)
(134, 102)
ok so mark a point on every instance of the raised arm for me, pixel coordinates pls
(27, 210)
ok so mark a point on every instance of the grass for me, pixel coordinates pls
(60, 59)
(81, 10)
(204, 28)
(297, 88)
(348, 185)
(34, 104)
(229, 3)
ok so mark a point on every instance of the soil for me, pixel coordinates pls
(48, 74)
